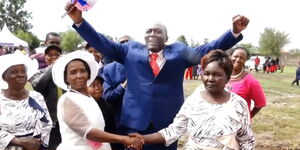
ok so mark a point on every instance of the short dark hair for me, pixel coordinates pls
(85, 65)
(87, 46)
(241, 48)
(51, 34)
(222, 59)
(55, 47)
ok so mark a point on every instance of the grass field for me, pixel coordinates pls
(277, 126)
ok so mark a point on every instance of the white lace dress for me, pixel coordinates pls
(212, 126)
(77, 115)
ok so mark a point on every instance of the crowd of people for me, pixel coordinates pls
(135, 100)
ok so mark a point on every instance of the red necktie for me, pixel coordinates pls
(153, 64)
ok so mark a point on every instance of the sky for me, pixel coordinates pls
(195, 19)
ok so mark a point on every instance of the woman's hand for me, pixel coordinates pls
(134, 141)
(31, 143)
(28, 143)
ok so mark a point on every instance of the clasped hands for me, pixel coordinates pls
(134, 141)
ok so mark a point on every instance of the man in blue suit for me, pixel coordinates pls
(154, 92)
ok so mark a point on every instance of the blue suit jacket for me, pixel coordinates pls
(114, 75)
(150, 99)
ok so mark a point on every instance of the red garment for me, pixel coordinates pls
(256, 61)
(249, 89)
(188, 73)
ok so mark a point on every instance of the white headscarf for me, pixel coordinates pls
(8, 60)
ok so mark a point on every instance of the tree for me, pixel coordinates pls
(205, 40)
(70, 40)
(12, 14)
(182, 39)
(251, 48)
(272, 41)
(29, 37)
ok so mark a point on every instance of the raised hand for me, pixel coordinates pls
(239, 23)
(74, 13)
(134, 141)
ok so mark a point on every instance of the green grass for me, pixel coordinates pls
(277, 126)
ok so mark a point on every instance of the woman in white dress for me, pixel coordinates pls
(25, 122)
(215, 118)
(81, 120)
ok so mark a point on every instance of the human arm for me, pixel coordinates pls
(76, 119)
(28, 143)
(110, 49)
(40, 81)
(254, 111)
(245, 137)
(44, 124)
(224, 42)
(115, 82)
(257, 95)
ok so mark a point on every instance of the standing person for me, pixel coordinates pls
(266, 64)
(243, 83)
(257, 62)
(297, 76)
(25, 122)
(214, 118)
(189, 73)
(96, 91)
(155, 71)
(195, 72)
(81, 120)
(43, 83)
(97, 55)
(52, 38)
(2, 50)
(115, 83)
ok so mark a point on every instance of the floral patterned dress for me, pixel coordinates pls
(212, 126)
(23, 118)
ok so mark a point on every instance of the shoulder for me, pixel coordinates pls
(238, 101)
(36, 95)
(177, 46)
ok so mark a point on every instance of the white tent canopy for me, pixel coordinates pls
(8, 39)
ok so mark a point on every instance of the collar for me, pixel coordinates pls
(160, 54)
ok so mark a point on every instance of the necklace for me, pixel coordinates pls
(238, 75)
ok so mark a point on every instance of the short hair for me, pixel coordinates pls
(85, 65)
(87, 46)
(241, 48)
(222, 59)
(164, 29)
(51, 34)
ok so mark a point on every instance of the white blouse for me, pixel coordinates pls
(24, 118)
(77, 115)
(212, 126)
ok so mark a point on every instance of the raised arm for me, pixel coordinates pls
(112, 50)
(224, 42)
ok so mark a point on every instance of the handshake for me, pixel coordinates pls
(134, 141)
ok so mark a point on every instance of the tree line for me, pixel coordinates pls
(17, 20)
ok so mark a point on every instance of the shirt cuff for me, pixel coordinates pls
(235, 35)
(79, 24)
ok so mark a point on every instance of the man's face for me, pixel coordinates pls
(53, 40)
(155, 38)
(98, 56)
